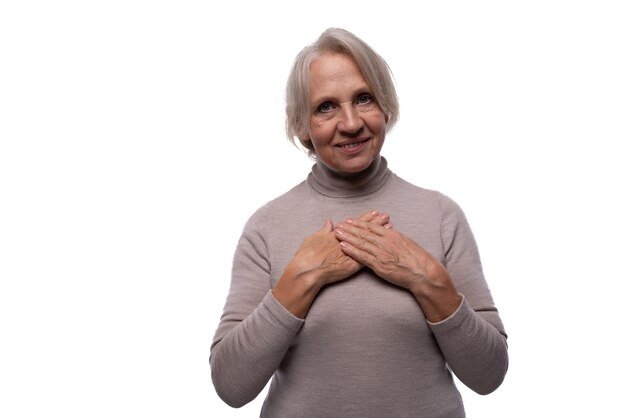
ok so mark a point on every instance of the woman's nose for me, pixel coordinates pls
(351, 121)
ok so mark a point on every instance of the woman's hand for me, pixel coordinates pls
(320, 255)
(321, 252)
(401, 261)
(319, 261)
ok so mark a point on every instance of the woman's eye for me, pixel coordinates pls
(364, 98)
(325, 107)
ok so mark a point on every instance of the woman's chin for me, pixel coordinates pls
(353, 165)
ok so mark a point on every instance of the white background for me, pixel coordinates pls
(137, 137)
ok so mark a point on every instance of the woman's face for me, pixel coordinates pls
(347, 127)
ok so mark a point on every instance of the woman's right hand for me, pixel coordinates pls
(320, 256)
(319, 261)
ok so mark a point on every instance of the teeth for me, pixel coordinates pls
(354, 145)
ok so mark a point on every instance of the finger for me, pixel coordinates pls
(373, 227)
(362, 257)
(357, 237)
(375, 217)
(328, 226)
(368, 216)
(381, 219)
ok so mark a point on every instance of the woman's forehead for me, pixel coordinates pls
(332, 73)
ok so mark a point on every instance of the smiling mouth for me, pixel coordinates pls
(352, 145)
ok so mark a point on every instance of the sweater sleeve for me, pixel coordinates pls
(255, 331)
(472, 339)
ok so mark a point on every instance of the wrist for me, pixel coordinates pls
(296, 291)
(304, 277)
(436, 294)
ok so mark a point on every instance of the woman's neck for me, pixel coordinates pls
(335, 184)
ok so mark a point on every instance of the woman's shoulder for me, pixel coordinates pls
(280, 206)
(415, 193)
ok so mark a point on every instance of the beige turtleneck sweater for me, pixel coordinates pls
(365, 348)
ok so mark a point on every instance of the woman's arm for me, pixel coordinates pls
(473, 340)
(255, 331)
(258, 325)
(454, 297)
(401, 261)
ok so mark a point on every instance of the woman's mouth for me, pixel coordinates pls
(353, 147)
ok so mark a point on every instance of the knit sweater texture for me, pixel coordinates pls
(365, 348)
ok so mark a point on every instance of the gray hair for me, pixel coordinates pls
(375, 70)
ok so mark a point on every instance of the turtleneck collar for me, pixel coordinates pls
(333, 184)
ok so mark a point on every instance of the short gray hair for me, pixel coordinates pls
(375, 70)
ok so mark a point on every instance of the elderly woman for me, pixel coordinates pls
(353, 316)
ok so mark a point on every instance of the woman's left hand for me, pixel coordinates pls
(401, 261)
